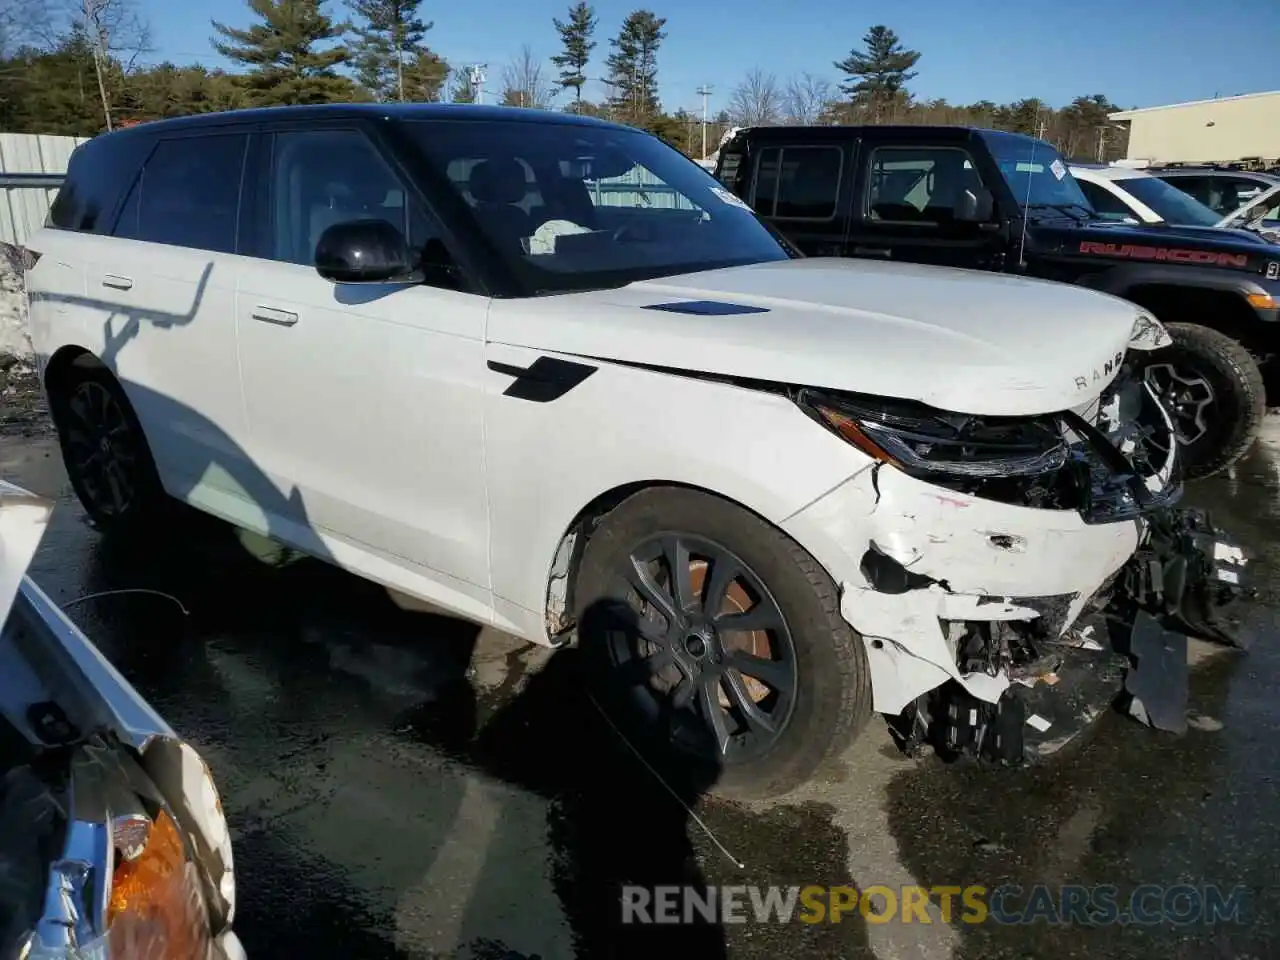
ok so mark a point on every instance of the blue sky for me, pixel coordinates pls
(1137, 53)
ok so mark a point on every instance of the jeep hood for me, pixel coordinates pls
(958, 340)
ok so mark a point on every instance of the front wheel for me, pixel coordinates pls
(1214, 393)
(715, 638)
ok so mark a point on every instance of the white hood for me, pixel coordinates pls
(959, 340)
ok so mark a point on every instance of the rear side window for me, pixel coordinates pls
(99, 172)
(188, 194)
(798, 183)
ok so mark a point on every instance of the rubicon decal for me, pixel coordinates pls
(1134, 251)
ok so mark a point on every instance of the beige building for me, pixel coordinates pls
(1220, 131)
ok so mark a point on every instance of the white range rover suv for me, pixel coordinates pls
(545, 373)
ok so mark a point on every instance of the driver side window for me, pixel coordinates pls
(1105, 203)
(324, 177)
(919, 185)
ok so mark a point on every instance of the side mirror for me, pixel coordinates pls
(365, 251)
(976, 205)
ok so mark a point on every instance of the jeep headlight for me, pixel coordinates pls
(928, 443)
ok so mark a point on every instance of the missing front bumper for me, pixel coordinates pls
(1128, 653)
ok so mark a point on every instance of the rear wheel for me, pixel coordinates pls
(1213, 390)
(715, 638)
(105, 452)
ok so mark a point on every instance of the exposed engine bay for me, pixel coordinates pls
(1067, 658)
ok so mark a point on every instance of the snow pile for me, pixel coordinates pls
(15, 340)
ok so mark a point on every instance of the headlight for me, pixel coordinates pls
(1148, 333)
(920, 440)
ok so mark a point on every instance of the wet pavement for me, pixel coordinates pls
(400, 784)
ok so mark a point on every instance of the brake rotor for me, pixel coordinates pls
(754, 642)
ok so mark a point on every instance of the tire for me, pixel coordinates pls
(1221, 430)
(89, 408)
(830, 700)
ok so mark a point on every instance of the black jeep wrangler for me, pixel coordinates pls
(987, 200)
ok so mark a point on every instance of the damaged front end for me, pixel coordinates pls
(1007, 676)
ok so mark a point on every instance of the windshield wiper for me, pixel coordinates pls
(1066, 208)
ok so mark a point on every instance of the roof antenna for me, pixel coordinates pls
(1031, 164)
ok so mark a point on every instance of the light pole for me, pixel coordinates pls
(704, 91)
(476, 77)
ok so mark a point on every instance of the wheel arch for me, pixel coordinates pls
(566, 558)
(61, 366)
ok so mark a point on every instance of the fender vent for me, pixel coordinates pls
(706, 308)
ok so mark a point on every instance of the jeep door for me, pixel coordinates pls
(802, 188)
(908, 191)
(364, 400)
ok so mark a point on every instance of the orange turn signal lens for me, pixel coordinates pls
(156, 910)
(1263, 301)
(848, 428)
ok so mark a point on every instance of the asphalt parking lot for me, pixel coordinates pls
(402, 786)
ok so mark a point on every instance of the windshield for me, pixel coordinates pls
(576, 207)
(1171, 204)
(1263, 205)
(1035, 172)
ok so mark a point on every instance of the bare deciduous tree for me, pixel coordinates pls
(24, 23)
(115, 31)
(756, 101)
(807, 98)
(525, 83)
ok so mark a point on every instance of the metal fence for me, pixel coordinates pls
(31, 170)
(637, 188)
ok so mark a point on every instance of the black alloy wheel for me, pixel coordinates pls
(712, 662)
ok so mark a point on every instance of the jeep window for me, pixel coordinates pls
(323, 177)
(920, 185)
(798, 182)
(1197, 187)
(187, 194)
(1169, 202)
(1036, 173)
(1105, 203)
(604, 206)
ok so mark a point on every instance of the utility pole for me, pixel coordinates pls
(704, 91)
(476, 77)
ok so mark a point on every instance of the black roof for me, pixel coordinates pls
(837, 131)
(375, 111)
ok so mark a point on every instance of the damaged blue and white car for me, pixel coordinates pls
(113, 843)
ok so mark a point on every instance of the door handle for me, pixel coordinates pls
(872, 252)
(281, 318)
(116, 282)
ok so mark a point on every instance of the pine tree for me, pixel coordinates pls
(424, 77)
(388, 38)
(287, 62)
(633, 67)
(575, 35)
(878, 74)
